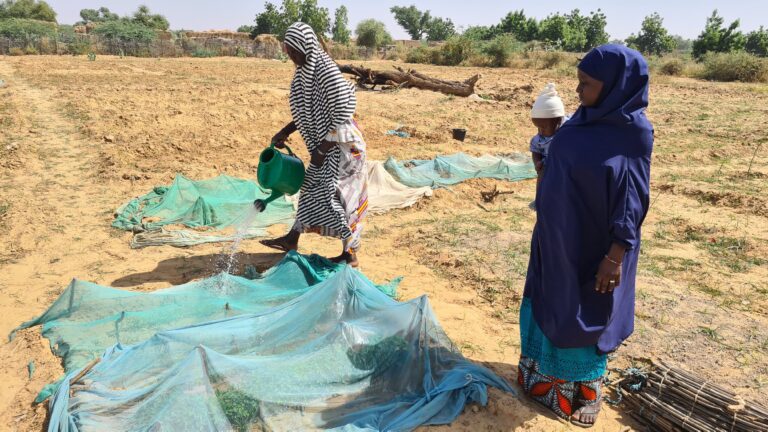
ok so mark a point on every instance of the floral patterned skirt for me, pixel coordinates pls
(562, 379)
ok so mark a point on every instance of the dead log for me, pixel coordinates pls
(409, 79)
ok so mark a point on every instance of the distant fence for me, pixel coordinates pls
(179, 47)
(198, 46)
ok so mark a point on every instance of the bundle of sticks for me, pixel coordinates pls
(671, 399)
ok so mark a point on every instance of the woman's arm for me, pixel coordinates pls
(318, 156)
(537, 157)
(279, 139)
(609, 273)
(628, 203)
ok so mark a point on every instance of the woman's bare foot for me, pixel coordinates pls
(586, 416)
(285, 243)
(347, 257)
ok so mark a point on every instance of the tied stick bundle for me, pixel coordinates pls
(675, 400)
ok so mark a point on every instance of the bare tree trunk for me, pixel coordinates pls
(409, 79)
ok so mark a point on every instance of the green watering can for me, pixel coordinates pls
(282, 173)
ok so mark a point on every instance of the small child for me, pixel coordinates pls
(547, 115)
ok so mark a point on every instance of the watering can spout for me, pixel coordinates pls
(261, 204)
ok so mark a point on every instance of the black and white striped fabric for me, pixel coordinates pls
(321, 100)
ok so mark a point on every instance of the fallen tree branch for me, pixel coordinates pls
(401, 78)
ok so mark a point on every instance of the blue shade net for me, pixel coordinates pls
(315, 346)
(206, 207)
(343, 356)
(454, 169)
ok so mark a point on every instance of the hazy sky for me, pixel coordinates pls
(683, 17)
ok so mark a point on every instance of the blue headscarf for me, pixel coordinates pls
(624, 73)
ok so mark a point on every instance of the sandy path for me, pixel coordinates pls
(62, 215)
(51, 196)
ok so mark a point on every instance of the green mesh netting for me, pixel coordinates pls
(88, 318)
(341, 356)
(453, 169)
(214, 204)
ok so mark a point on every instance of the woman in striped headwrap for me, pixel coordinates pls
(333, 198)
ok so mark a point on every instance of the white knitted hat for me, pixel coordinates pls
(548, 104)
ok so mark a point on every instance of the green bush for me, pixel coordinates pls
(422, 54)
(455, 51)
(202, 53)
(673, 67)
(125, 31)
(79, 46)
(30, 50)
(372, 34)
(27, 29)
(737, 66)
(15, 51)
(501, 48)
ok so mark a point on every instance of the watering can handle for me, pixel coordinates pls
(290, 152)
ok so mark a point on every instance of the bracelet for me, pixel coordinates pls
(320, 152)
(612, 261)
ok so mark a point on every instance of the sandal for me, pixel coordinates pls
(591, 410)
(277, 244)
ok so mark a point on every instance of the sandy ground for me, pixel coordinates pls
(79, 138)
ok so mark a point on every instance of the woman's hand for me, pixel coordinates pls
(608, 274)
(279, 139)
(318, 156)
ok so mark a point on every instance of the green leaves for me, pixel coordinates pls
(653, 37)
(717, 38)
(420, 25)
(340, 30)
(27, 9)
(372, 34)
(276, 20)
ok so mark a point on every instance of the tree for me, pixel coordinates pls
(276, 20)
(414, 21)
(596, 34)
(246, 29)
(316, 17)
(757, 42)
(125, 30)
(518, 25)
(145, 17)
(422, 25)
(653, 38)
(28, 9)
(576, 32)
(97, 15)
(372, 34)
(554, 30)
(340, 29)
(717, 38)
(683, 44)
(440, 29)
(479, 33)
(268, 22)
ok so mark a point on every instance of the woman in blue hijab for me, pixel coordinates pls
(579, 294)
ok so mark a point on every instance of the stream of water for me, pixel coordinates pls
(228, 259)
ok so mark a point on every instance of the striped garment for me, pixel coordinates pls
(321, 100)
